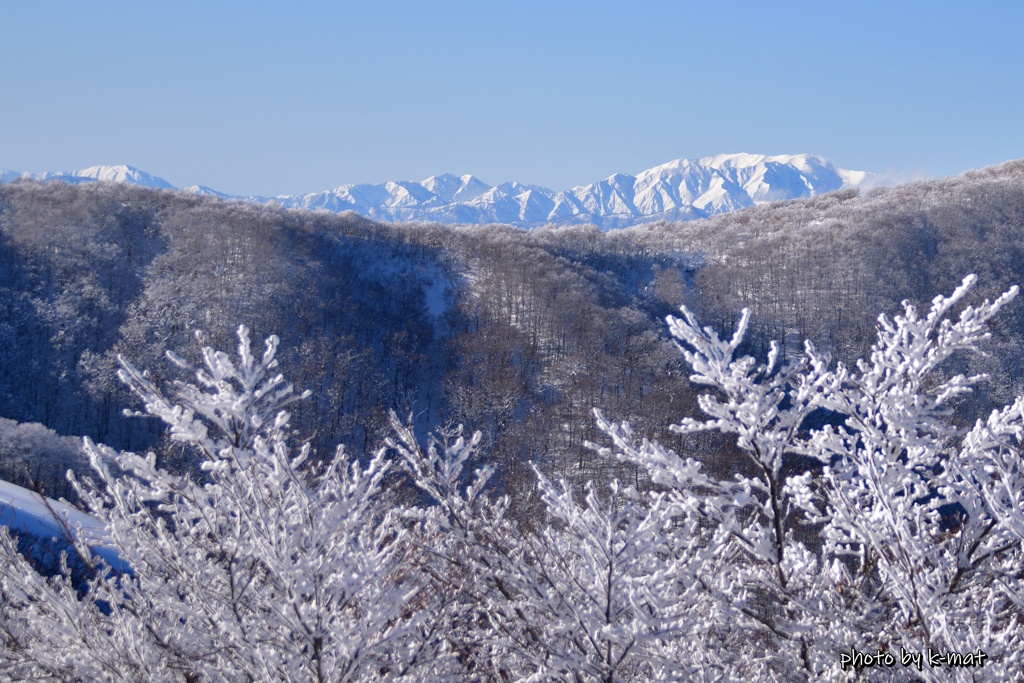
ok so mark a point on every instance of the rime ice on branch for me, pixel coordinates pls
(267, 564)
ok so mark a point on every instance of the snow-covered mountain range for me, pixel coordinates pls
(679, 190)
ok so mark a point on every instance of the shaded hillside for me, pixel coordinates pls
(519, 334)
(488, 326)
(92, 272)
(823, 268)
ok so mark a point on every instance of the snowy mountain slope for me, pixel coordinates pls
(109, 174)
(684, 189)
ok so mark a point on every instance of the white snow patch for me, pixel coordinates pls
(27, 512)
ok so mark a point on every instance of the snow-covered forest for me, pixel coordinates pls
(535, 477)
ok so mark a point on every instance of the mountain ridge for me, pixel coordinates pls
(678, 190)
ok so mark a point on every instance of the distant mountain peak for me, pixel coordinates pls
(678, 190)
(119, 173)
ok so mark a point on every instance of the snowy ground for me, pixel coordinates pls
(25, 511)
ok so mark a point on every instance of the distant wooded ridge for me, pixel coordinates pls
(786, 515)
(519, 334)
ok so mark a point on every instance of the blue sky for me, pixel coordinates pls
(274, 98)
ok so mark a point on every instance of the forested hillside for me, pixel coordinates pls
(737, 509)
(518, 334)
(489, 326)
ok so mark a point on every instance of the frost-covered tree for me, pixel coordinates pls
(603, 589)
(609, 588)
(268, 565)
(921, 515)
(904, 538)
(36, 457)
(867, 516)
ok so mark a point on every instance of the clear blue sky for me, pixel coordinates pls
(272, 98)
